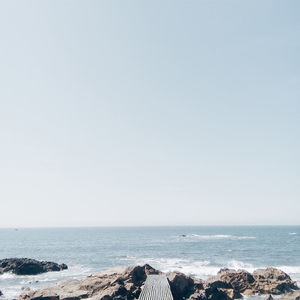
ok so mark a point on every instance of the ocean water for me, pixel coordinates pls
(198, 251)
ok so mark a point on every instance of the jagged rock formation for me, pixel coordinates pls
(262, 281)
(126, 284)
(26, 266)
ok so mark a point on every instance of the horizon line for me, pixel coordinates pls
(148, 226)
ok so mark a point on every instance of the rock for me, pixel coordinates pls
(1, 294)
(216, 294)
(269, 297)
(126, 284)
(249, 292)
(186, 287)
(291, 296)
(273, 281)
(181, 285)
(200, 295)
(239, 280)
(232, 293)
(26, 266)
(262, 281)
(117, 284)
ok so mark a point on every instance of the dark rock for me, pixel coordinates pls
(269, 297)
(220, 284)
(139, 274)
(239, 280)
(26, 266)
(216, 294)
(181, 285)
(1, 294)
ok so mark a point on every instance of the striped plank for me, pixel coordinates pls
(156, 288)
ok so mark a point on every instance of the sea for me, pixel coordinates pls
(198, 251)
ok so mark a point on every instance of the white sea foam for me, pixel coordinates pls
(292, 233)
(201, 268)
(236, 264)
(210, 236)
(7, 276)
(290, 269)
(217, 237)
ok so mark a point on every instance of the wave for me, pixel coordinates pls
(292, 233)
(217, 236)
(200, 268)
(290, 269)
(203, 268)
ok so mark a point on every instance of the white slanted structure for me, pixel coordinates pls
(156, 288)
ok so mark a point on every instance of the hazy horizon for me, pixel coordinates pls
(151, 226)
(138, 113)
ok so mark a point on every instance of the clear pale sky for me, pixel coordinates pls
(149, 112)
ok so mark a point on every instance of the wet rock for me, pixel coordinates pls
(269, 297)
(1, 294)
(26, 266)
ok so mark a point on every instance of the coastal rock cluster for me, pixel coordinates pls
(26, 266)
(112, 284)
(126, 284)
(261, 281)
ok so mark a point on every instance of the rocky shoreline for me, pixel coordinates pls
(126, 284)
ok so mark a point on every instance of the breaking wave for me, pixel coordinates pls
(204, 268)
(201, 268)
(217, 236)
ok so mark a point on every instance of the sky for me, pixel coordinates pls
(136, 113)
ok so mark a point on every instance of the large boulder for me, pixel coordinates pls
(239, 280)
(26, 266)
(186, 287)
(182, 286)
(262, 281)
(273, 281)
